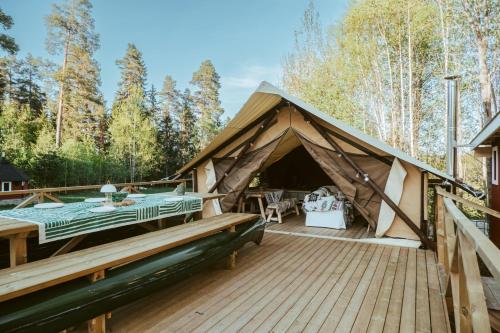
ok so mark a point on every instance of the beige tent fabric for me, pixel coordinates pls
(394, 190)
(210, 181)
(409, 203)
(344, 176)
(241, 175)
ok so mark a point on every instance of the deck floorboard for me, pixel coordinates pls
(293, 284)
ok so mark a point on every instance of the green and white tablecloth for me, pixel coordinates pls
(75, 218)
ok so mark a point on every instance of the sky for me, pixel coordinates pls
(246, 41)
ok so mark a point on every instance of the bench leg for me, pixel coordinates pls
(279, 216)
(261, 208)
(231, 259)
(162, 223)
(18, 250)
(97, 324)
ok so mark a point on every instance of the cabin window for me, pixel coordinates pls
(494, 165)
(6, 186)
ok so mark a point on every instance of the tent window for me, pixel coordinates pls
(494, 165)
(6, 186)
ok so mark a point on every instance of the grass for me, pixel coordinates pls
(70, 197)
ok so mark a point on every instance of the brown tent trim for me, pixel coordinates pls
(370, 182)
(360, 147)
(236, 135)
(265, 125)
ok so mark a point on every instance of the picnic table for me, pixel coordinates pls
(17, 230)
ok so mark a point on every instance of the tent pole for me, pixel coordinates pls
(360, 147)
(264, 126)
(370, 182)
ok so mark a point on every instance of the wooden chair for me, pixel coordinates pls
(280, 206)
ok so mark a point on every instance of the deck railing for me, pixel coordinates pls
(40, 194)
(459, 243)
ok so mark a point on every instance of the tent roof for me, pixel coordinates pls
(268, 96)
(488, 133)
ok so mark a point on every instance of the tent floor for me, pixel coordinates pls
(296, 224)
(292, 283)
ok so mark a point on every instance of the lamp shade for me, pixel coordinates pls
(108, 188)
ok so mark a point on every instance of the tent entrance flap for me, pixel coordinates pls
(235, 183)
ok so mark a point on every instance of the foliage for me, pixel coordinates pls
(381, 69)
(206, 99)
(7, 43)
(54, 123)
(133, 73)
(80, 103)
(133, 136)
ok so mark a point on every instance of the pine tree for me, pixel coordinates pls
(7, 43)
(168, 130)
(28, 88)
(133, 73)
(71, 33)
(152, 105)
(188, 136)
(133, 136)
(206, 98)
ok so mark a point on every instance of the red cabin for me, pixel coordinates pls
(486, 144)
(11, 178)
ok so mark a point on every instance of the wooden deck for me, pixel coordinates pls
(296, 224)
(294, 284)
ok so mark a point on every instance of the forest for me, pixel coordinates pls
(380, 68)
(54, 123)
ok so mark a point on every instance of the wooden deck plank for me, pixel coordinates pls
(364, 314)
(216, 298)
(225, 302)
(238, 307)
(266, 316)
(276, 296)
(343, 314)
(422, 314)
(396, 301)
(379, 314)
(306, 303)
(291, 308)
(438, 318)
(289, 281)
(350, 276)
(407, 323)
(172, 301)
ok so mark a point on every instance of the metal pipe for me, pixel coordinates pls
(452, 122)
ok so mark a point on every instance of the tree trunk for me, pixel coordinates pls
(402, 95)
(61, 96)
(484, 77)
(410, 86)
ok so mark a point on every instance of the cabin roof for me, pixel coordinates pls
(488, 134)
(266, 97)
(8, 172)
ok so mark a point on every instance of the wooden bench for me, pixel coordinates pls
(93, 262)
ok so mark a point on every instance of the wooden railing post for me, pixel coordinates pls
(458, 244)
(439, 223)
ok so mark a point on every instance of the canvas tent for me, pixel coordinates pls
(386, 186)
